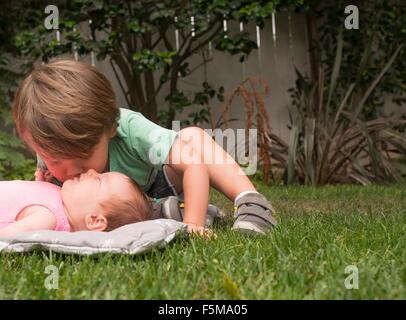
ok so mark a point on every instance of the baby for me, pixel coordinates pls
(92, 201)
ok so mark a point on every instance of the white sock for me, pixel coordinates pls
(243, 194)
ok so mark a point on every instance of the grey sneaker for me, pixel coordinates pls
(253, 214)
(172, 208)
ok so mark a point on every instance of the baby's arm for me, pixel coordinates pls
(41, 218)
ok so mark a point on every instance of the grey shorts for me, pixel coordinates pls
(161, 187)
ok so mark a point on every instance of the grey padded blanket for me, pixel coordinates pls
(130, 239)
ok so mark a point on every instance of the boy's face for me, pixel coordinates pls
(64, 169)
(83, 195)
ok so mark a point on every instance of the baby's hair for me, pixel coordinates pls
(119, 212)
(66, 106)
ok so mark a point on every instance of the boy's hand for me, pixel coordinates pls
(203, 232)
(41, 175)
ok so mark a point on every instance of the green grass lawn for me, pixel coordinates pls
(321, 232)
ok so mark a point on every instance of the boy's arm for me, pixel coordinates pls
(40, 219)
(187, 161)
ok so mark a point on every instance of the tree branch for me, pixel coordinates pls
(189, 51)
(119, 81)
(163, 36)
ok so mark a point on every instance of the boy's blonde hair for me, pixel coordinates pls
(119, 212)
(65, 106)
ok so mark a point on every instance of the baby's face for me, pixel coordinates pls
(83, 195)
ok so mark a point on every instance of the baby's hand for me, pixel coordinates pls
(41, 175)
(203, 232)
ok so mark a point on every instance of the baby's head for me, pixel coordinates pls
(66, 112)
(103, 202)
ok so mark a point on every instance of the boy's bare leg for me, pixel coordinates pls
(225, 174)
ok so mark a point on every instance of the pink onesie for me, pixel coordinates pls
(17, 194)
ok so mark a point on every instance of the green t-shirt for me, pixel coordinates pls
(139, 148)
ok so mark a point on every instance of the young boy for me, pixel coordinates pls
(66, 112)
